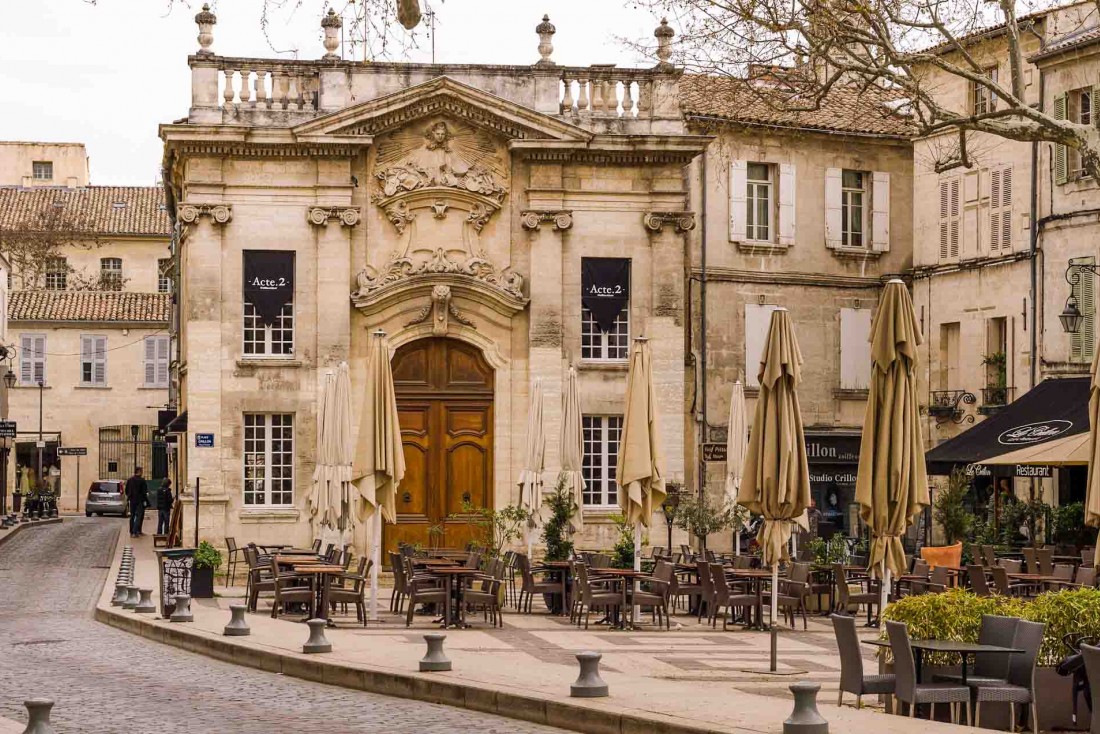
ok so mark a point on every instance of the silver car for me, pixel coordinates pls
(106, 496)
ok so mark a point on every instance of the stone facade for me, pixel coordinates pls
(68, 164)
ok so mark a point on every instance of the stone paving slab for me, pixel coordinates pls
(690, 679)
(15, 529)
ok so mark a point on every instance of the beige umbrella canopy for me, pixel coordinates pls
(319, 497)
(776, 481)
(892, 482)
(329, 499)
(1092, 498)
(737, 442)
(572, 446)
(534, 458)
(638, 473)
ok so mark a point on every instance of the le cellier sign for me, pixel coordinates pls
(268, 282)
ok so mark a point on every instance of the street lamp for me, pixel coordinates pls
(6, 353)
(672, 501)
(1071, 316)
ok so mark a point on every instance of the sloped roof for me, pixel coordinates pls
(846, 109)
(89, 306)
(101, 210)
(1077, 39)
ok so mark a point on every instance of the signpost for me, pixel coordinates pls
(76, 451)
(714, 452)
(7, 429)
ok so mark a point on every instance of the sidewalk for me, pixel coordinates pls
(691, 679)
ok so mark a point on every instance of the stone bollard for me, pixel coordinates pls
(182, 612)
(237, 626)
(38, 716)
(435, 660)
(589, 684)
(805, 719)
(120, 594)
(132, 597)
(145, 605)
(317, 641)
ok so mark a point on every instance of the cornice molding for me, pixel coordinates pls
(533, 219)
(219, 213)
(347, 216)
(734, 275)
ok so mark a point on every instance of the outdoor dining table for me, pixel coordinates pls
(322, 578)
(287, 551)
(757, 577)
(562, 569)
(627, 577)
(452, 611)
(963, 649)
(269, 547)
(428, 562)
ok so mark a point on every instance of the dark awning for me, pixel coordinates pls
(177, 424)
(1052, 409)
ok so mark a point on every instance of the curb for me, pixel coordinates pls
(531, 708)
(29, 524)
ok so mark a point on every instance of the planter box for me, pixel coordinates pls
(202, 583)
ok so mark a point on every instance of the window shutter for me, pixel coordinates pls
(880, 211)
(86, 358)
(162, 361)
(738, 183)
(1000, 209)
(1082, 343)
(833, 235)
(150, 361)
(1060, 156)
(949, 218)
(26, 359)
(786, 203)
(99, 368)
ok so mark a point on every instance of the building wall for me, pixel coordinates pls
(70, 164)
(139, 255)
(77, 412)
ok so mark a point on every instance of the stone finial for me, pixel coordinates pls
(664, 34)
(331, 24)
(38, 716)
(206, 22)
(546, 31)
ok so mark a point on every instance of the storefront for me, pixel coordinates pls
(834, 461)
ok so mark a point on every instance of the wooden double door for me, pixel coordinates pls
(445, 405)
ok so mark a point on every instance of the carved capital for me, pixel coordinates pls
(656, 221)
(347, 216)
(533, 219)
(441, 308)
(218, 213)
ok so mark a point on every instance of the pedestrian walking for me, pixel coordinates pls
(164, 507)
(136, 493)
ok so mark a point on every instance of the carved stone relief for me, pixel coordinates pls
(347, 216)
(656, 221)
(441, 308)
(532, 219)
(218, 213)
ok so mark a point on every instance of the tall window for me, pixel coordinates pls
(268, 459)
(93, 360)
(601, 457)
(57, 274)
(758, 202)
(164, 277)
(275, 340)
(32, 359)
(853, 199)
(610, 345)
(982, 98)
(42, 170)
(110, 273)
(155, 361)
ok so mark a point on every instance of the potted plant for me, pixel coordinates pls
(555, 533)
(207, 560)
(700, 517)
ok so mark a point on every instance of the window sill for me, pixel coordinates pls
(270, 514)
(152, 387)
(32, 387)
(754, 247)
(752, 391)
(602, 512)
(855, 253)
(604, 366)
(92, 387)
(292, 363)
(842, 393)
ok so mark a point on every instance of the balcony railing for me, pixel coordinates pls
(947, 405)
(995, 398)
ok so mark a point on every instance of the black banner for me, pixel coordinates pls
(605, 288)
(268, 282)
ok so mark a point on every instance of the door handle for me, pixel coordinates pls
(466, 496)
(407, 497)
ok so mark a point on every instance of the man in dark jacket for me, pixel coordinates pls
(136, 493)
(164, 507)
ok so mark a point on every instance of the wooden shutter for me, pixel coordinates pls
(162, 361)
(1000, 209)
(32, 359)
(787, 197)
(1060, 154)
(93, 353)
(1082, 343)
(855, 348)
(949, 218)
(833, 186)
(150, 361)
(738, 183)
(880, 211)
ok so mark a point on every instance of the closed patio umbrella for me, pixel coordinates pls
(572, 446)
(324, 497)
(737, 441)
(892, 482)
(379, 464)
(343, 448)
(776, 483)
(1092, 496)
(641, 485)
(534, 457)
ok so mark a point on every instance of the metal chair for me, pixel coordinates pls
(852, 678)
(1020, 686)
(233, 552)
(908, 690)
(316, 545)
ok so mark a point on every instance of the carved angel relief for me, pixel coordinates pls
(442, 154)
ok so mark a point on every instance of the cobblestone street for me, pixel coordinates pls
(107, 681)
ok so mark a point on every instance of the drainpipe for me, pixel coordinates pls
(1034, 245)
(703, 329)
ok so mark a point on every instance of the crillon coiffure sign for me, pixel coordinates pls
(268, 282)
(605, 288)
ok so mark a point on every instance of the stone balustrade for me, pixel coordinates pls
(272, 85)
(608, 91)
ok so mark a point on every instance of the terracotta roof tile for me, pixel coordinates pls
(102, 210)
(1077, 39)
(89, 306)
(844, 110)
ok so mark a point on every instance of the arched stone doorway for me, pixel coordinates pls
(445, 402)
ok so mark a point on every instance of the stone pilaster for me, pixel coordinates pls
(333, 227)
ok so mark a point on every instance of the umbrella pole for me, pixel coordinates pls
(736, 542)
(885, 590)
(775, 613)
(637, 561)
(376, 553)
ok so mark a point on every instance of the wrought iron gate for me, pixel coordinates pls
(121, 448)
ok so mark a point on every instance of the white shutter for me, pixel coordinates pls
(757, 320)
(833, 234)
(1060, 156)
(880, 211)
(994, 210)
(786, 203)
(738, 185)
(150, 361)
(162, 361)
(949, 218)
(1082, 343)
(99, 363)
(855, 348)
(32, 359)
(86, 358)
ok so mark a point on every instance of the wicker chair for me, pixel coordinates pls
(1092, 668)
(232, 557)
(979, 584)
(316, 545)
(908, 690)
(989, 668)
(852, 678)
(1045, 556)
(485, 593)
(290, 588)
(844, 596)
(1020, 686)
(532, 585)
(726, 599)
(594, 597)
(936, 583)
(794, 591)
(423, 589)
(706, 593)
(653, 591)
(351, 590)
(1031, 560)
(259, 578)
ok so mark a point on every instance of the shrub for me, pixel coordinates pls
(207, 556)
(700, 516)
(949, 510)
(622, 555)
(555, 532)
(957, 615)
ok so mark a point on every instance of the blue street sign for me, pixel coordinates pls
(204, 440)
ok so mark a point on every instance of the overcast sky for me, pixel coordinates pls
(107, 74)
